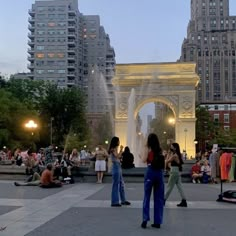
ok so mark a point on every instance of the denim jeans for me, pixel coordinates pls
(154, 179)
(118, 188)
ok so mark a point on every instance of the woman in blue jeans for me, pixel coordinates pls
(154, 179)
(117, 178)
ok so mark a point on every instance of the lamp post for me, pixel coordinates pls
(51, 120)
(195, 142)
(185, 136)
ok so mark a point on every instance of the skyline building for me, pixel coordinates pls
(70, 49)
(211, 43)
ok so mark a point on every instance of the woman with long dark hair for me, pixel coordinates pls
(117, 178)
(154, 179)
(176, 162)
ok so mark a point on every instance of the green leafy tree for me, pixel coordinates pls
(67, 108)
(207, 131)
(14, 114)
(30, 92)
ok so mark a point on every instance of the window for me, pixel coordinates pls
(216, 117)
(51, 55)
(226, 118)
(61, 55)
(40, 55)
(39, 71)
(51, 24)
(40, 48)
(61, 71)
(226, 128)
(50, 71)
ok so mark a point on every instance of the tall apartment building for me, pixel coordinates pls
(211, 43)
(67, 47)
(99, 65)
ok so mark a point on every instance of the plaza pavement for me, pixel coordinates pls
(83, 209)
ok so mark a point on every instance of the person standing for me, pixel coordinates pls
(100, 164)
(154, 179)
(117, 178)
(176, 162)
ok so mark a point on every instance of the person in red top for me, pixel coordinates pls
(154, 180)
(196, 172)
(46, 180)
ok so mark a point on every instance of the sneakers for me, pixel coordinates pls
(194, 181)
(198, 181)
(126, 203)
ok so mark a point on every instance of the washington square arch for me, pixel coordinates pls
(173, 84)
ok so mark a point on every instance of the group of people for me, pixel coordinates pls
(153, 181)
(218, 165)
(154, 178)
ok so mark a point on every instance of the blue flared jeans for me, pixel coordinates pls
(118, 187)
(154, 180)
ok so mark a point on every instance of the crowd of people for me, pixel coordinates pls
(50, 169)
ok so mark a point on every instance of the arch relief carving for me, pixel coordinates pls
(122, 107)
(186, 107)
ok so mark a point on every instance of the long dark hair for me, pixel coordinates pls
(153, 143)
(113, 144)
(177, 151)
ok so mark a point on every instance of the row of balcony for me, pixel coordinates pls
(70, 19)
(70, 42)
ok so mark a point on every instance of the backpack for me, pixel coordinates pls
(158, 162)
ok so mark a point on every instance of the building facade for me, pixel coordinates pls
(69, 49)
(211, 43)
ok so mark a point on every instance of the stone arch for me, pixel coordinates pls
(173, 84)
(163, 100)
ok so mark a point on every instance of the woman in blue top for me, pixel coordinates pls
(117, 178)
(154, 179)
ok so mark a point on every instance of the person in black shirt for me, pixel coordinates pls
(127, 159)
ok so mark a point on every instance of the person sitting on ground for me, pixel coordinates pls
(35, 181)
(127, 159)
(206, 172)
(46, 180)
(196, 172)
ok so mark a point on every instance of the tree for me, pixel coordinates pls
(207, 131)
(14, 114)
(67, 108)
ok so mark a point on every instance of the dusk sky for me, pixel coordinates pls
(140, 31)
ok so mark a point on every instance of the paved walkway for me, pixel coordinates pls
(84, 209)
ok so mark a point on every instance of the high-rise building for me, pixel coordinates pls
(71, 49)
(211, 43)
(99, 65)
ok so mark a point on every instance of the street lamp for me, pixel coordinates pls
(31, 125)
(195, 142)
(185, 136)
(52, 119)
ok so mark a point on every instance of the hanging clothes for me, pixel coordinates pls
(225, 164)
